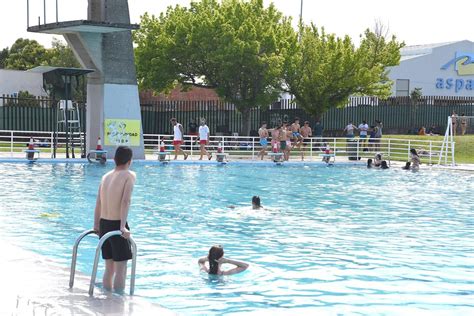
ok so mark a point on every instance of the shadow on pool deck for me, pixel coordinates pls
(33, 285)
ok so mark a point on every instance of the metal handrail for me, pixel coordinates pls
(74, 255)
(97, 256)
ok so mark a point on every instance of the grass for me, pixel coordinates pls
(463, 150)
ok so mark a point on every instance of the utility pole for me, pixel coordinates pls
(300, 27)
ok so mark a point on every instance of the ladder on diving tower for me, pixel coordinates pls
(97, 256)
(68, 120)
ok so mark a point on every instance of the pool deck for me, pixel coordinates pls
(34, 285)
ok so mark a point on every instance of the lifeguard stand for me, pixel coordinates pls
(103, 43)
(68, 119)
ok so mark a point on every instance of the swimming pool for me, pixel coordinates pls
(343, 239)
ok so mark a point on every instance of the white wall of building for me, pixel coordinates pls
(13, 81)
(422, 66)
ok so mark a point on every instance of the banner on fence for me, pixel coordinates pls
(122, 132)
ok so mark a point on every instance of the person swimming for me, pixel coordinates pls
(407, 166)
(415, 160)
(384, 165)
(369, 163)
(256, 202)
(216, 260)
(378, 160)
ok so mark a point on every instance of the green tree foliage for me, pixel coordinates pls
(25, 54)
(60, 55)
(3, 57)
(236, 47)
(322, 70)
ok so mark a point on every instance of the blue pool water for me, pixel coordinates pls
(332, 240)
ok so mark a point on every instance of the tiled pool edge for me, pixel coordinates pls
(36, 285)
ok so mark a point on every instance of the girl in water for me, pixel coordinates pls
(415, 160)
(216, 260)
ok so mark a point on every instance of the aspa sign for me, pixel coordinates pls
(463, 64)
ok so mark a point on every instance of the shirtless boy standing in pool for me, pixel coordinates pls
(111, 211)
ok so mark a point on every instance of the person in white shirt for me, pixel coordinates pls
(204, 139)
(363, 128)
(350, 130)
(178, 139)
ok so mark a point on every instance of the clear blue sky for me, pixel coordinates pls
(413, 21)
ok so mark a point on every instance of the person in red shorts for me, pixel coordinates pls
(204, 139)
(178, 139)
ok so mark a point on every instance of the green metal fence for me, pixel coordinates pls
(399, 115)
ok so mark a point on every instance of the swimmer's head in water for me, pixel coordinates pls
(369, 162)
(123, 155)
(215, 253)
(256, 202)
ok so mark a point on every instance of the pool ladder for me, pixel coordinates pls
(96, 260)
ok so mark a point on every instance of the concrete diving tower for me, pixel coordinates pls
(103, 43)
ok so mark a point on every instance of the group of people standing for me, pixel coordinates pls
(284, 138)
(457, 121)
(373, 133)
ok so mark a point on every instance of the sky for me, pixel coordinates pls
(412, 21)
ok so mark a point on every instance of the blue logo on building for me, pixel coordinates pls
(463, 64)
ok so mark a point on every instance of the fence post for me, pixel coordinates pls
(430, 152)
(51, 140)
(11, 144)
(389, 150)
(311, 148)
(253, 148)
(192, 145)
(409, 148)
(357, 157)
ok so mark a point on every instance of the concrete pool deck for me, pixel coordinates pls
(34, 285)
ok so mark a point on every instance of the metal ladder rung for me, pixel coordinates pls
(97, 256)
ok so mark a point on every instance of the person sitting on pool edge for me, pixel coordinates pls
(111, 212)
(216, 260)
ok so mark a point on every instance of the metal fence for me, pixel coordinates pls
(33, 114)
(400, 115)
(13, 144)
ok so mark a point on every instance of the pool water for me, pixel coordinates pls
(343, 239)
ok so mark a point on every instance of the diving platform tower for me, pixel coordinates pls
(103, 43)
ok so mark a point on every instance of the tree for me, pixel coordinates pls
(3, 57)
(322, 71)
(235, 47)
(25, 54)
(60, 55)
